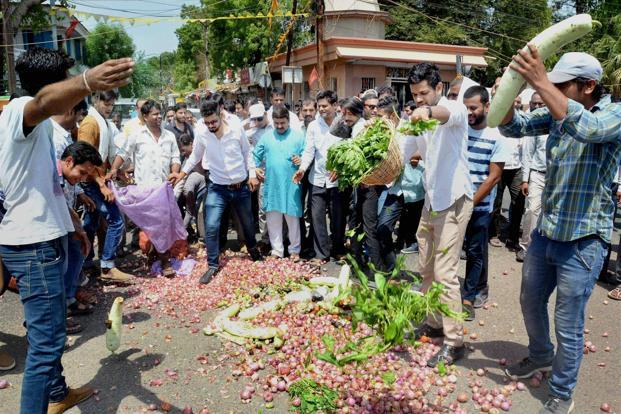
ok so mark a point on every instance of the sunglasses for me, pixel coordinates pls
(259, 119)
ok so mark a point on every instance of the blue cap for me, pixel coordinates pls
(574, 65)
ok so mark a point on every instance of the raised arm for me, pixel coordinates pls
(60, 97)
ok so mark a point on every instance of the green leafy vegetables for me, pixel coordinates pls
(390, 310)
(313, 397)
(417, 128)
(353, 159)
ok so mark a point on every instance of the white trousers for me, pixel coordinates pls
(536, 182)
(274, 228)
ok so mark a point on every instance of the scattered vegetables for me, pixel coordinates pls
(114, 325)
(418, 128)
(313, 397)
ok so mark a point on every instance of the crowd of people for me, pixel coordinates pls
(261, 168)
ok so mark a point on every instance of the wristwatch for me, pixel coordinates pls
(430, 112)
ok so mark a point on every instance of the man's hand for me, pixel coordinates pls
(88, 202)
(415, 159)
(253, 184)
(525, 189)
(618, 197)
(111, 74)
(85, 243)
(530, 66)
(174, 178)
(298, 176)
(107, 193)
(333, 176)
(420, 114)
(260, 174)
(112, 175)
(297, 161)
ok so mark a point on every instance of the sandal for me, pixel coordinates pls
(79, 309)
(84, 296)
(615, 293)
(73, 327)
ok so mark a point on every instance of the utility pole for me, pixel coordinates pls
(54, 28)
(7, 34)
(294, 9)
(207, 71)
(319, 24)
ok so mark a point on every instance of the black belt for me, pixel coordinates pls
(235, 186)
(539, 171)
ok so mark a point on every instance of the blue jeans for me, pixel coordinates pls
(75, 260)
(38, 269)
(113, 217)
(218, 197)
(475, 245)
(572, 268)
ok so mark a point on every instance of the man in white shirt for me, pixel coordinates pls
(533, 179)
(156, 155)
(324, 192)
(277, 97)
(63, 124)
(35, 227)
(226, 152)
(448, 203)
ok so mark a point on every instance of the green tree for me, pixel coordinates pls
(107, 42)
(145, 81)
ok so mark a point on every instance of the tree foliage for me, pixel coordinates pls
(107, 42)
(233, 43)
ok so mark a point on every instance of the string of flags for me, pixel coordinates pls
(150, 20)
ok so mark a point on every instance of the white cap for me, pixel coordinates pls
(574, 65)
(257, 111)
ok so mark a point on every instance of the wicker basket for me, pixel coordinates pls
(388, 170)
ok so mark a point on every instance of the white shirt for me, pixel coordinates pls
(294, 120)
(152, 157)
(228, 159)
(445, 152)
(62, 139)
(35, 203)
(318, 140)
(514, 148)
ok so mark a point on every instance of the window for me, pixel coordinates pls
(368, 83)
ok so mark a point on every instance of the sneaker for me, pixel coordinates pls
(556, 405)
(447, 354)
(495, 241)
(208, 275)
(463, 255)
(412, 248)
(428, 331)
(73, 398)
(115, 275)
(7, 362)
(520, 255)
(468, 309)
(526, 368)
(480, 300)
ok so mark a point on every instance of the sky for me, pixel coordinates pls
(152, 39)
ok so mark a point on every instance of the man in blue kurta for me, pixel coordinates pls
(282, 198)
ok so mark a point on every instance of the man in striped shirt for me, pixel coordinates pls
(486, 160)
(569, 245)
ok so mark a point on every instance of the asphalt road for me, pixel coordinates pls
(154, 344)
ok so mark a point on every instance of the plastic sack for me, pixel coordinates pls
(154, 210)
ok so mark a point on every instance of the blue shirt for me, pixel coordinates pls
(583, 151)
(484, 147)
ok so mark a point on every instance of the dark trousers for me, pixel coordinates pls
(364, 219)
(335, 201)
(513, 180)
(615, 279)
(475, 245)
(408, 215)
(306, 234)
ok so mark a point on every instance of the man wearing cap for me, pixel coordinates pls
(568, 246)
